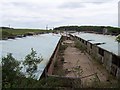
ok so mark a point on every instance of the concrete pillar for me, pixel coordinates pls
(118, 73)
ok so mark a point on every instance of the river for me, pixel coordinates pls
(43, 44)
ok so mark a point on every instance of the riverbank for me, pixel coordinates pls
(11, 33)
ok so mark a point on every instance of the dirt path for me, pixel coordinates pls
(78, 64)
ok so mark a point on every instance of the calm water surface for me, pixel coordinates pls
(43, 44)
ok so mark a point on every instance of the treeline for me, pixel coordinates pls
(6, 28)
(99, 29)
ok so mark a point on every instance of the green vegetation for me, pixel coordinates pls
(10, 71)
(58, 65)
(78, 45)
(10, 32)
(98, 29)
(5, 34)
(23, 31)
(13, 78)
(31, 61)
(118, 38)
(62, 48)
(11, 75)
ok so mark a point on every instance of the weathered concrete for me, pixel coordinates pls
(50, 65)
(88, 68)
(105, 60)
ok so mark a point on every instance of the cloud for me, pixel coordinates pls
(39, 13)
(72, 5)
(21, 4)
(97, 1)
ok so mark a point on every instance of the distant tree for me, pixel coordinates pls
(4, 27)
(99, 29)
(30, 62)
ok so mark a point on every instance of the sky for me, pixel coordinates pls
(55, 13)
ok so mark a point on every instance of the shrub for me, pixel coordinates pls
(118, 38)
(10, 71)
(31, 61)
(11, 75)
(62, 47)
(79, 46)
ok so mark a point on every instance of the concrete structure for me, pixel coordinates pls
(48, 70)
(102, 48)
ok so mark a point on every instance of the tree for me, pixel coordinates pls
(10, 70)
(11, 74)
(30, 63)
(118, 38)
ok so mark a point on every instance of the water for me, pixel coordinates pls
(111, 45)
(43, 44)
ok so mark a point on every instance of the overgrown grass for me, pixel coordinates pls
(62, 48)
(5, 34)
(80, 46)
(58, 65)
(0, 76)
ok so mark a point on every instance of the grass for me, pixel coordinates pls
(58, 65)
(14, 32)
(0, 77)
(80, 46)
(23, 31)
(62, 48)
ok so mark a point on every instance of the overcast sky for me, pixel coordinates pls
(39, 13)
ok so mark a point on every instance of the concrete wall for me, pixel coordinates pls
(53, 59)
(115, 67)
(50, 66)
(105, 60)
(118, 73)
(115, 71)
(119, 49)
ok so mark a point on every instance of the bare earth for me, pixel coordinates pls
(78, 64)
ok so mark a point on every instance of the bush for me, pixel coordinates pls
(10, 71)
(6, 34)
(62, 48)
(31, 61)
(118, 38)
(11, 75)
